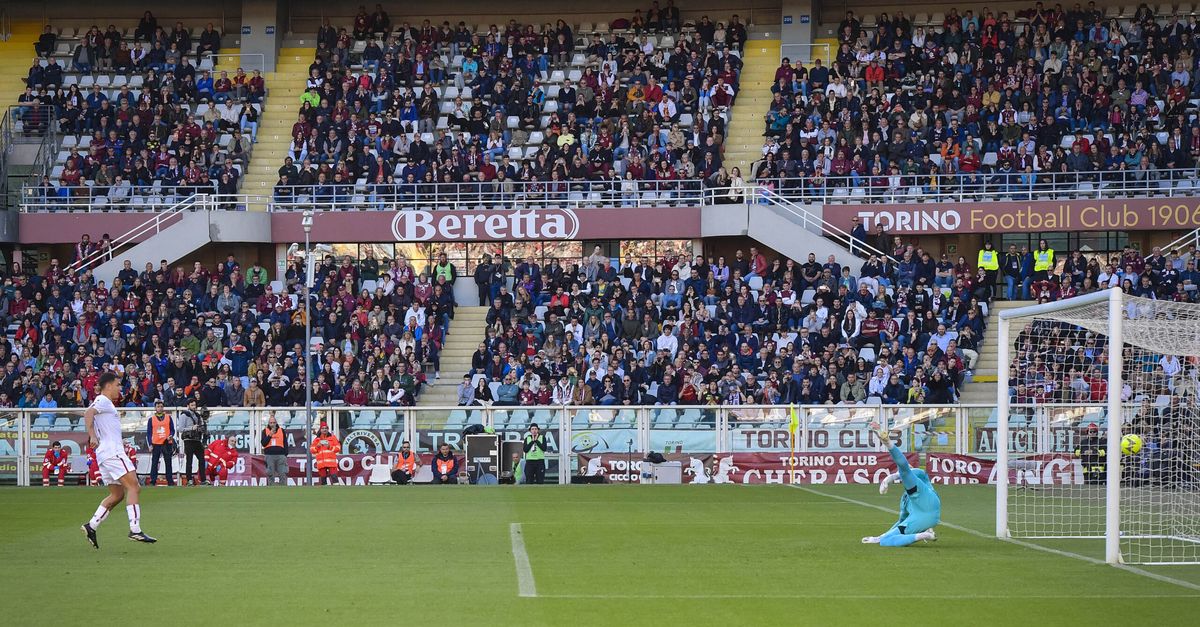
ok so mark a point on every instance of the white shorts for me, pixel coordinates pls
(115, 467)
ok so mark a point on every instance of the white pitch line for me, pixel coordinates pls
(525, 584)
(869, 597)
(1029, 545)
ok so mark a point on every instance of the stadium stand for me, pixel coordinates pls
(392, 106)
(435, 101)
(144, 114)
(998, 105)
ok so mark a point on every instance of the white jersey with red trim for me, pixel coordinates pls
(108, 429)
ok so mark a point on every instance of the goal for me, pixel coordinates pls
(1075, 376)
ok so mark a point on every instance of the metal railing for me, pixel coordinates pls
(27, 124)
(495, 195)
(985, 186)
(157, 222)
(1188, 239)
(817, 224)
(359, 196)
(960, 429)
(90, 198)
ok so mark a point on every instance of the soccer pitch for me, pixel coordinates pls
(578, 555)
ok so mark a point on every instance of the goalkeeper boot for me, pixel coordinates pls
(871, 540)
(139, 536)
(927, 536)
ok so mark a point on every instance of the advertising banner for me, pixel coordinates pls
(1051, 469)
(1133, 214)
(836, 467)
(496, 225)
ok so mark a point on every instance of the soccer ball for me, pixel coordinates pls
(1131, 444)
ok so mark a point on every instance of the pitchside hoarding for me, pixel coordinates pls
(1134, 214)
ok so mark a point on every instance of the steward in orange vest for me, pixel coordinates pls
(274, 443)
(325, 449)
(160, 433)
(445, 466)
(407, 464)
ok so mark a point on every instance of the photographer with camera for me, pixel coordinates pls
(193, 425)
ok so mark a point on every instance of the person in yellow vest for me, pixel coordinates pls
(325, 449)
(160, 433)
(274, 443)
(445, 466)
(408, 463)
(1043, 262)
(989, 260)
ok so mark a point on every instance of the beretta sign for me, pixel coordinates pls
(544, 224)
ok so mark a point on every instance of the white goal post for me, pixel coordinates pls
(1074, 377)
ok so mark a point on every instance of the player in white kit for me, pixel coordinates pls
(118, 473)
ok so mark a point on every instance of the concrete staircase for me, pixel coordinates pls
(284, 87)
(743, 146)
(16, 55)
(983, 388)
(466, 332)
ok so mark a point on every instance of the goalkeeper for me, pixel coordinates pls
(920, 507)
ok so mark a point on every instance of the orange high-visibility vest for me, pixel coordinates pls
(407, 464)
(445, 465)
(160, 429)
(276, 439)
(325, 449)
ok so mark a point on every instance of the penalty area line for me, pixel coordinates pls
(1029, 545)
(526, 587)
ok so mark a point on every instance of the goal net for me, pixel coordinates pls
(1098, 411)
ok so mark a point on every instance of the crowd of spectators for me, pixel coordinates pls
(680, 330)
(225, 334)
(1016, 105)
(905, 328)
(140, 111)
(1061, 363)
(540, 109)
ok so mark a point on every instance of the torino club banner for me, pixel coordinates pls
(1048, 469)
(251, 470)
(840, 467)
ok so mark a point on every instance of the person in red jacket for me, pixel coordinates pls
(57, 460)
(219, 457)
(93, 473)
(325, 449)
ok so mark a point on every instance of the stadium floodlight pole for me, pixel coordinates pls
(306, 221)
(1112, 466)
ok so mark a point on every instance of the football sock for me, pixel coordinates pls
(135, 516)
(98, 517)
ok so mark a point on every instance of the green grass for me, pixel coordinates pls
(600, 555)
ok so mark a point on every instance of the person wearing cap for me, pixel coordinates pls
(192, 429)
(325, 449)
(1091, 453)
